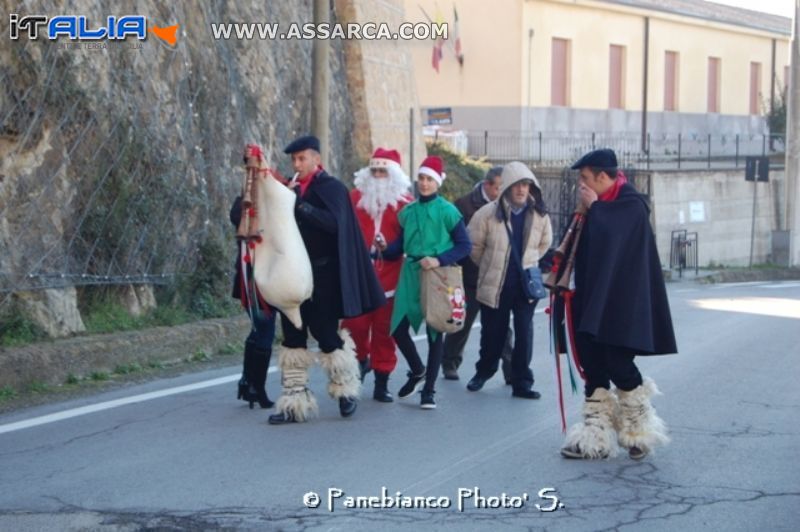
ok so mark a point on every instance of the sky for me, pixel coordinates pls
(776, 7)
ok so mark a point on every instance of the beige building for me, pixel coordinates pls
(594, 65)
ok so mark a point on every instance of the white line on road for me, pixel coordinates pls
(107, 405)
(781, 285)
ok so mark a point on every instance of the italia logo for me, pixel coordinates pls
(78, 28)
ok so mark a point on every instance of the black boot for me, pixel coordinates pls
(256, 365)
(347, 406)
(243, 386)
(381, 392)
(364, 367)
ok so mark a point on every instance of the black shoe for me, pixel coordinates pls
(364, 367)
(412, 385)
(476, 383)
(450, 374)
(636, 453)
(381, 393)
(427, 402)
(347, 406)
(281, 418)
(383, 396)
(526, 394)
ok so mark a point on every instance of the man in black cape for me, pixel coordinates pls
(345, 286)
(619, 310)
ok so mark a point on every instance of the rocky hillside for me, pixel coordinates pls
(119, 162)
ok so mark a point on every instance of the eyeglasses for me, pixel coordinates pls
(379, 171)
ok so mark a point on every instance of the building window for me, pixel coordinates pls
(755, 87)
(714, 64)
(671, 81)
(559, 79)
(616, 77)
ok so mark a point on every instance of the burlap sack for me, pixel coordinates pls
(443, 298)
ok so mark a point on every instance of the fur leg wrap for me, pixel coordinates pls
(595, 437)
(639, 426)
(296, 400)
(342, 368)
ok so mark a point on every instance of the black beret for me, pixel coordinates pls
(302, 143)
(603, 158)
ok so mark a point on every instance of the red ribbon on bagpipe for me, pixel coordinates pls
(560, 310)
(248, 232)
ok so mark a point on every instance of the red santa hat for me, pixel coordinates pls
(433, 167)
(383, 158)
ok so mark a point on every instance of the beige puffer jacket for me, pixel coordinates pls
(491, 248)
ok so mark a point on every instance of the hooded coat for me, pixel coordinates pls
(491, 247)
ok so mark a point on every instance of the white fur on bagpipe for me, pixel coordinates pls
(282, 269)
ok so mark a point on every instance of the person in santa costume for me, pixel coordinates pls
(381, 191)
(433, 235)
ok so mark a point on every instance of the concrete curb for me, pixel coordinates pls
(740, 276)
(52, 362)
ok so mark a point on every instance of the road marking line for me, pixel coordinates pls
(781, 285)
(107, 405)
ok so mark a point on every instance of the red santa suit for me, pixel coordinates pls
(376, 210)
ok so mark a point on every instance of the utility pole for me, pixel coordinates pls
(793, 145)
(320, 73)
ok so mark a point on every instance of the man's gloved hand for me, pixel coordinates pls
(303, 208)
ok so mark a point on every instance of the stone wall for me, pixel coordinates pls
(380, 75)
(53, 362)
(718, 205)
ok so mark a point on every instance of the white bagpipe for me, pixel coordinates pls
(271, 241)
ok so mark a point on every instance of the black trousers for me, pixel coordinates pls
(323, 322)
(603, 364)
(454, 343)
(405, 344)
(320, 314)
(494, 330)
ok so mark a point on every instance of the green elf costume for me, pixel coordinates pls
(431, 227)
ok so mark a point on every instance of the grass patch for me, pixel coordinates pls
(200, 356)
(16, 329)
(7, 393)
(155, 364)
(99, 376)
(126, 369)
(72, 379)
(109, 317)
(231, 348)
(38, 387)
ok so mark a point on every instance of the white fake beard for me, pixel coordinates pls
(379, 193)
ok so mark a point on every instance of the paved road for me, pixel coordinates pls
(183, 454)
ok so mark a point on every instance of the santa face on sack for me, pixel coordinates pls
(382, 184)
